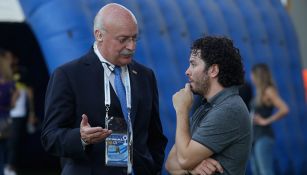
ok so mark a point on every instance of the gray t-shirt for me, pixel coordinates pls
(223, 125)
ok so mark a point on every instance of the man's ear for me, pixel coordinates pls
(98, 35)
(214, 70)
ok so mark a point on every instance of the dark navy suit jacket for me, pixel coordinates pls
(77, 88)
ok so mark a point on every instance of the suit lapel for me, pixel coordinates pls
(97, 72)
(133, 73)
(96, 69)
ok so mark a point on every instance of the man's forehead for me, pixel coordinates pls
(123, 28)
(195, 54)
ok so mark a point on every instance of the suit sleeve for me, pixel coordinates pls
(157, 141)
(59, 137)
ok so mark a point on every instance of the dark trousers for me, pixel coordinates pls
(3, 151)
(16, 140)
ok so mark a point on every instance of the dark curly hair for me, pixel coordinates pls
(221, 51)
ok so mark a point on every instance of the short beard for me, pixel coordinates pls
(204, 87)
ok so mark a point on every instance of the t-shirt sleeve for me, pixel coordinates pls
(218, 129)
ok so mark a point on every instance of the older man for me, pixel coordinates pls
(96, 117)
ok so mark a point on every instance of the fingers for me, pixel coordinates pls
(208, 166)
(206, 170)
(187, 87)
(211, 167)
(202, 169)
(90, 130)
(84, 121)
(90, 134)
(95, 135)
(216, 164)
(98, 136)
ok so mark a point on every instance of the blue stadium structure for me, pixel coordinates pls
(261, 29)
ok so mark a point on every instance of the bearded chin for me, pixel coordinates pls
(195, 92)
(200, 92)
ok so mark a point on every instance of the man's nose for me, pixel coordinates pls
(187, 72)
(131, 44)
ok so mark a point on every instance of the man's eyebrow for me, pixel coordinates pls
(126, 36)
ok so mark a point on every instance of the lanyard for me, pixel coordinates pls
(107, 100)
(128, 119)
(107, 85)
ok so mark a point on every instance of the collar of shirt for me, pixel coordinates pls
(108, 67)
(223, 94)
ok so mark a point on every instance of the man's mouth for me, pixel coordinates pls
(127, 53)
(127, 56)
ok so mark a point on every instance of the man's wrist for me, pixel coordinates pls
(182, 113)
(84, 143)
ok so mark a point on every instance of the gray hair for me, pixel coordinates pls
(98, 21)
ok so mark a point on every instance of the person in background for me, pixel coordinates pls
(22, 115)
(105, 89)
(220, 129)
(8, 97)
(266, 100)
(246, 93)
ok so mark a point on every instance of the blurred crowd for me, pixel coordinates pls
(17, 113)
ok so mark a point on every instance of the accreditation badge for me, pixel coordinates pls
(116, 148)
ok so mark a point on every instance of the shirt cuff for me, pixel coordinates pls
(84, 144)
